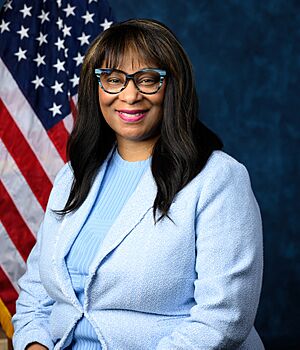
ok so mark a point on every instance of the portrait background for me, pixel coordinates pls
(246, 57)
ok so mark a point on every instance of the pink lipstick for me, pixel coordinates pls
(133, 115)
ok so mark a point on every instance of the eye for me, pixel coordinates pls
(112, 80)
(148, 79)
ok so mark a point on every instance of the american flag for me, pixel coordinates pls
(42, 44)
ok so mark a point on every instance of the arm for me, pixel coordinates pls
(33, 307)
(228, 265)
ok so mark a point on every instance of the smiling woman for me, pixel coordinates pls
(153, 233)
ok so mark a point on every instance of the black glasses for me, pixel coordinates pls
(147, 81)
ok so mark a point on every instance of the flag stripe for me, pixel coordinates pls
(73, 104)
(27, 121)
(28, 164)
(68, 122)
(7, 292)
(20, 192)
(59, 136)
(10, 259)
(14, 224)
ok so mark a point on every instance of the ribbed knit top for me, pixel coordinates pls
(119, 182)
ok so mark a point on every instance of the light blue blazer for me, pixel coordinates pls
(190, 283)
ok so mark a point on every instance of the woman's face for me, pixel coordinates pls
(134, 117)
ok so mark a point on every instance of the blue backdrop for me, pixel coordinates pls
(246, 56)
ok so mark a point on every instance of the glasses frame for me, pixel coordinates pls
(162, 74)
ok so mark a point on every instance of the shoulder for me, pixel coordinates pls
(61, 187)
(222, 170)
(224, 179)
(219, 169)
(221, 177)
(222, 165)
(64, 175)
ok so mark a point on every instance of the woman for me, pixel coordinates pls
(152, 237)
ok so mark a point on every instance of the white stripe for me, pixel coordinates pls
(18, 189)
(68, 122)
(69, 119)
(75, 99)
(29, 124)
(10, 259)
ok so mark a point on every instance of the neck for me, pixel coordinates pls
(134, 151)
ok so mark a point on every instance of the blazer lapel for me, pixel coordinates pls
(130, 216)
(68, 230)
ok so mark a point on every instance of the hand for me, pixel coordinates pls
(36, 346)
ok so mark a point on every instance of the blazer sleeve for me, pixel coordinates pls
(229, 264)
(33, 307)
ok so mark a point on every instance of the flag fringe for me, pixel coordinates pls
(5, 320)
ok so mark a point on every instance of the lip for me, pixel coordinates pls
(132, 115)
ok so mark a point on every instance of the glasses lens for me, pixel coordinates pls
(113, 81)
(147, 82)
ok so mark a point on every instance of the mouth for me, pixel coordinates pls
(131, 116)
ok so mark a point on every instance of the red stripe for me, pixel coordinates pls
(59, 136)
(24, 157)
(14, 224)
(7, 292)
(73, 108)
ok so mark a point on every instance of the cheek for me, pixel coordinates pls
(158, 104)
(158, 99)
(105, 101)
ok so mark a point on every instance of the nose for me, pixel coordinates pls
(130, 94)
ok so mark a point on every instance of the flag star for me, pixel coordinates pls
(44, 16)
(21, 54)
(60, 44)
(59, 23)
(59, 3)
(78, 59)
(74, 80)
(59, 65)
(4, 26)
(90, 1)
(38, 82)
(66, 31)
(40, 60)
(55, 109)
(57, 87)
(42, 38)
(23, 32)
(106, 24)
(69, 10)
(84, 39)
(26, 11)
(88, 17)
(66, 52)
(7, 5)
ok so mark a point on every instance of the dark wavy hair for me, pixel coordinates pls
(184, 144)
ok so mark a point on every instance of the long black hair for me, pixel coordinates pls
(184, 144)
